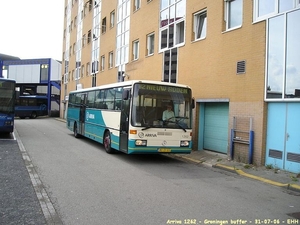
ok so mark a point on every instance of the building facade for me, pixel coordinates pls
(239, 57)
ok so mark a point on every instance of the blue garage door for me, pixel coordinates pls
(216, 127)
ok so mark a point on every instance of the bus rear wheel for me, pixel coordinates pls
(107, 143)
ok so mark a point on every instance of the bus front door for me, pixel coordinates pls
(124, 124)
(82, 114)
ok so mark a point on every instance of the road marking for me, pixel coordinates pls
(47, 207)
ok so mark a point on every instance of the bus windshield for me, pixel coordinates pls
(161, 106)
(7, 97)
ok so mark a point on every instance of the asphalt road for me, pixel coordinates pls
(88, 186)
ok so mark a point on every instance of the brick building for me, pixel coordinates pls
(239, 57)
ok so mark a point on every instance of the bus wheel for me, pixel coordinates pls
(33, 115)
(75, 131)
(107, 142)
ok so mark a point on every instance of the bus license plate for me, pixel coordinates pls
(164, 150)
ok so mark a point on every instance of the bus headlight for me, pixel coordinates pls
(184, 143)
(9, 123)
(140, 142)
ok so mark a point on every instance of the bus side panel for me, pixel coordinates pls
(72, 117)
(97, 122)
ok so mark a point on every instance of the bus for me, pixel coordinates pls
(31, 106)
(127, 116)
(7, 103)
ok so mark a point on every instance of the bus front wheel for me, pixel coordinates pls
(33, 115)
(107, 142)
(75, 129)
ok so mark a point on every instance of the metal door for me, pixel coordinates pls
(82, 114)
(216, 126)
(283, 137)
(124, 121)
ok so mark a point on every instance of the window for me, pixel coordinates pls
(82, 71)
(87, 69)
(74, 48)
(89, 36)
(234, 13)
(172, 23)
(137, 4)
(103, 30)
(75, 21)
(180, 32)
(44, 72)
(90, 5)
(110, 60)
(170, 66)
(283, 80)
(150, 44)
(102, 62)
(200, 20)
(84, 40)
(112, 19)
(135, 50)
(264, 9)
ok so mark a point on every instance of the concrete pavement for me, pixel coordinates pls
(23, 199)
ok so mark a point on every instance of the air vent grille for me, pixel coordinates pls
(293, 157)
(275, 154)
(241, 67)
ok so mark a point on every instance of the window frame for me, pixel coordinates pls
(112, 19)
(102, 62)
(197, 18)
(171, 25)
(257, 18)
(110, 60)
(227, 15)
(135, 50)
(150, 44)
(136, 5)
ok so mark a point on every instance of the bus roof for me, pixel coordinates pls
(129, 83)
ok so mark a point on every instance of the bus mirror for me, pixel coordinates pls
(125, 95)
(193, 103)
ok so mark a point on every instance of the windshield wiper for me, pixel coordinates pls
(146, 128)
(176, 122)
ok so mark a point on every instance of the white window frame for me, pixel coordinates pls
(102, 62)
(111, 60)
(137, 5)
(168, 8)
(227, 14)
(257, 18)
(150, 44)
(135, 50)
(112, 19)
(198, 18)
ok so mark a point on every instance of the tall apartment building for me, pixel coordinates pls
(240, 57)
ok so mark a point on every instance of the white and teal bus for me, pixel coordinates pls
(127, 116)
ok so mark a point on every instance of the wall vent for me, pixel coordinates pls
(241, 67)
(275, 154)
(293, 157)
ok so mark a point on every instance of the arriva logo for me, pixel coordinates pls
(90, 116)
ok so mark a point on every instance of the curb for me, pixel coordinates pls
(293, 187)
(289, 186)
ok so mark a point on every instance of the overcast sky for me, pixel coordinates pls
(32, 29)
